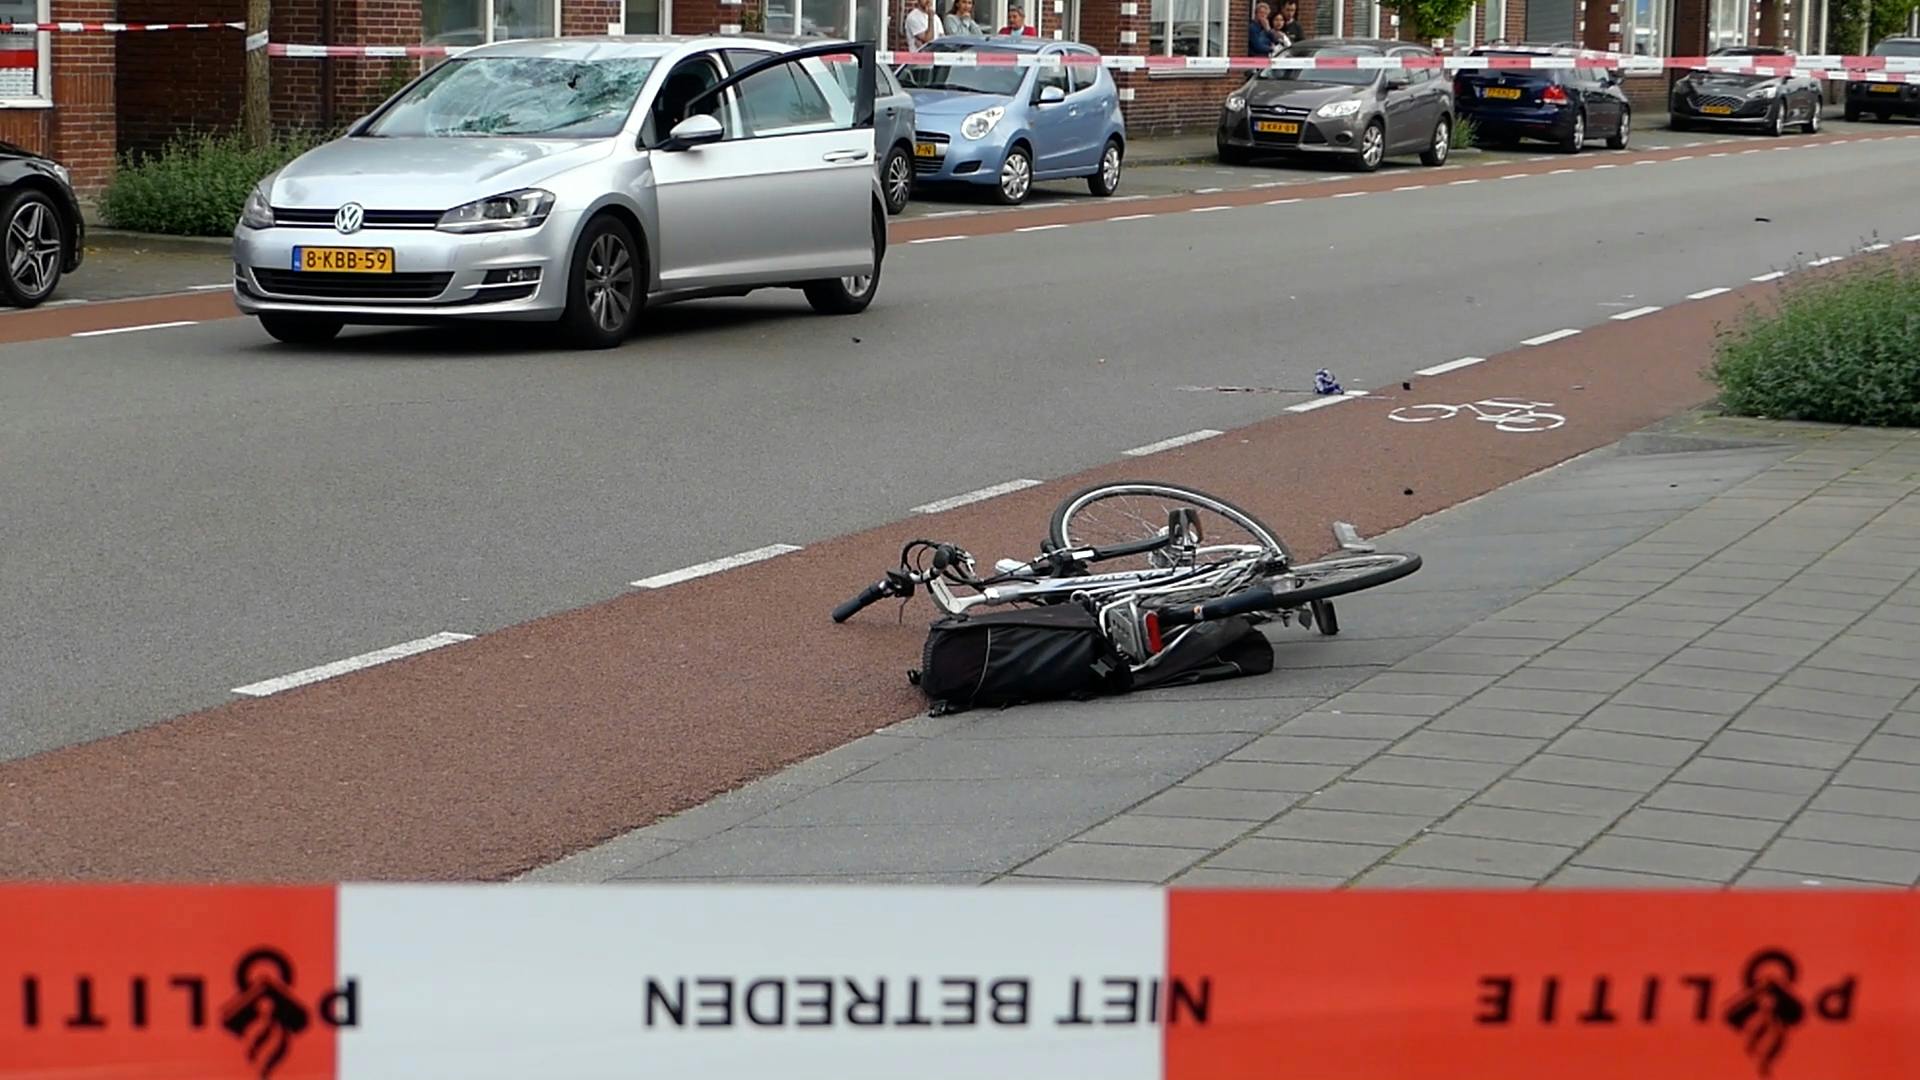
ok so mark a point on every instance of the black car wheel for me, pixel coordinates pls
(1373, 147)
(1437, 151)
(1813, 117)
(1777, 120)
(35, 247)
(1233, 155)
(1852, 112)
(1885, 116)
(1678, 123)
(896, 179)
(850, 295)
(1576, 139)
(1107, 180)
(1624, 133)
(1016, 177)
(607, 288)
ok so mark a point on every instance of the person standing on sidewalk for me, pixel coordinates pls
(922, 27)
(1286, 24)
(1259, 33)
(961, 20)
(1017, 24)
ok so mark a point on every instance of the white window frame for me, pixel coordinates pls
(1214, 13)
(1496, 21)
(1662, 20)
(42, 96)
(666, 17)
(850, 16)
(489, 16)
(1469, 23)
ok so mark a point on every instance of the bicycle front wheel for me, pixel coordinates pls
(1343, 574)
(1106, 515)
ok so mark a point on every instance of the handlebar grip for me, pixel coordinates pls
(867, 596)
(1258, 598)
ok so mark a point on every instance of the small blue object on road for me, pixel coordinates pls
(1325, 383)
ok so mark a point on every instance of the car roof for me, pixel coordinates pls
(606, 46)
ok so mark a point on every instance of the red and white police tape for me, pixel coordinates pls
(111, 27)
(1123, 983)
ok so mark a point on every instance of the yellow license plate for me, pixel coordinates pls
(332, 260)
(926, 149)
(1884, 88)
(1276, 127)
(1506, 93)
(1717, 110)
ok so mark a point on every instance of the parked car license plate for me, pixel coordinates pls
(1506, 93)
(926, 149)
(1276, 127)
(1885, 88)
(332, 260)
(1717, 110)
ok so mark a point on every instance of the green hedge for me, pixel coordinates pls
(195, 186)
(1843, 348)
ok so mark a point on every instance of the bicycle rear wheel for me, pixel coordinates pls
(1106, 515)
(1325, 579)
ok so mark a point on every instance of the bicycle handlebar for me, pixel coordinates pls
(876, 591)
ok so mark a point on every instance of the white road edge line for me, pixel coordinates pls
(1131, 217)
(714, 566)
(1410, 187)
(935, 239)
(1828, 261)
(351, 663)
(1207, 209)
(1910, 239)
(1281, 202)
(1457, 183)
(1517, 176)
(1451, 365)
(980, 495)
(1208, 191)
(1040, 228)
(1704, 293)
(1608, 165)
(1775, 276)
(1323, 402)
(131, 329)
(1168, 444)
(1634, 314)
(210, 288)
(1348, 194)
(1876, 247)
(1558, 172)
(1545, 338)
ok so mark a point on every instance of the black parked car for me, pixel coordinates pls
(1569, 106)
(42, 219)
(1359, 115)
(1886, 99)
(1771, 102)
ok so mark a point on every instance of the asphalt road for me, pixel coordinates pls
(195, 508)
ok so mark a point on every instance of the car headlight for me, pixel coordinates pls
(1767, 91)
(257, 213)
(524, 209)
(978, 124)
(1236, 103)
(60, 171)
(1338, 108)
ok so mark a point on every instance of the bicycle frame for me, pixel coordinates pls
(1154, 580)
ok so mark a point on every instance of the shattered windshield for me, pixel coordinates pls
(519, 96)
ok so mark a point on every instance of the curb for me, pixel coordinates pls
(126, 240)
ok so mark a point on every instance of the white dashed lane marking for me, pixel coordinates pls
(351, 663)
(714, 566)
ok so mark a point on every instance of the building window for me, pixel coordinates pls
(1189, 28)
(1495, 27)
(1463, 33)
(477, 22)
(1644, 26)
(23, 57)
(1727, 25)
(855, 19)
(648, 17)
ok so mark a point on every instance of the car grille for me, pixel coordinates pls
(932, 164)
(323, 286)
(375, 219)
(1288, 113)
(1707, 101)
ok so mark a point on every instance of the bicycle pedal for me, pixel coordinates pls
(1349, 538)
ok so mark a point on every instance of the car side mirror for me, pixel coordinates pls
(1051, 94)
(696, 130)
(1398, 80)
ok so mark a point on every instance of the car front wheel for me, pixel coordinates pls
(1623, 134)
(1016, 177)
(1373, 147)
(850, 295)
(606, 288)
(1813, 117)
(896, 179)
(35, 248)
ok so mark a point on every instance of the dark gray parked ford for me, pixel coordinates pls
(1361, 115)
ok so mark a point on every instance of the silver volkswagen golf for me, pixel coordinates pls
(577, 180)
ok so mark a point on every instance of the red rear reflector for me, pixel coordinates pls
(1553, 95)
(1153, 631)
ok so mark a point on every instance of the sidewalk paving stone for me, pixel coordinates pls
(1858, 829)
(1879, 774)
(1671, 858)
(1525, 725)
(1346, 826)
(1147, 830)
(1752, 776)
(1557, 798)
(1388, 798)
(1732, 802)
(1481, 855)
(1620, 746)
(1299, 856)
(1185, 801)
(1433, 772)
(1349, 726)
(1536, 826)
(1804, 725)
(1707, 678)
(1402, 876)
(1713, 830)
(1594, 877)
(1642, 720)
(1309, 749)
(1587, 772)
(1819, 857)
(1466, 746)
(1112, 862)
(1776, 749)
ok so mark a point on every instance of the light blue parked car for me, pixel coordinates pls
(1003, 127)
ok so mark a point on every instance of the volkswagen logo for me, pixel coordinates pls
(349, 218)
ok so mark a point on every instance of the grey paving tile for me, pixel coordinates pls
(1401, 876)
(1784, 648)
(1021, 880)
(1557, 798)
(1349, 725)
(1309, 750)
(1130, 718)
(1531, 678)
(1783, 879)
(1482, 855)
(1592, 660)
(1684, 698)
(610, 861)
(1840, 658)
(1463, 663)
(1650, 823)
(1111, 862)
(1886, 832)
(1804, 725)
(1879, 774)
(1501, 722)
(1777, 749)
(1429, 772)
(1215, 803)
(1148, 830)
(1821, 857)
(1388, 798)
(1828, 702)
(1394, 704)
(1553, 631)
(1875, 802)
(1299, 857)
(1594, 877)
(1466, 746)
(1764, 625)
(1752, 776)
(1008, 759)
(1643, 645)
(1663, 857)
(1888, 648)
(1264, 776)
(1214, 876)
(1749, 682)
(1536, 826)
(1734, 658)
(1622, 746)
(953, 878)
(841, 850)
(1665, 723)
(1423, 682)
(1900, 748)
(1572, 702)
(1589, 772)
(1730, 802)
(1346, 826)
(960, 802)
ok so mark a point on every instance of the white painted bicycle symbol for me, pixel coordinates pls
(1521, 416)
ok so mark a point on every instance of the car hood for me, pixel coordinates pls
(1728, 83)
(1303, 95)
(955, 103)
(425, 173)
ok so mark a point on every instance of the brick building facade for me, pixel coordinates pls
(82, 97)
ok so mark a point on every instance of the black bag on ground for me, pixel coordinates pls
(1209, 651)
(1018, 655)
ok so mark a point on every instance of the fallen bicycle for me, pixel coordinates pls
(1054, 628)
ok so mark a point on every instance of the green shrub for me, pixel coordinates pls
(1463, 132)
(194, 186)
(1841, 349)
